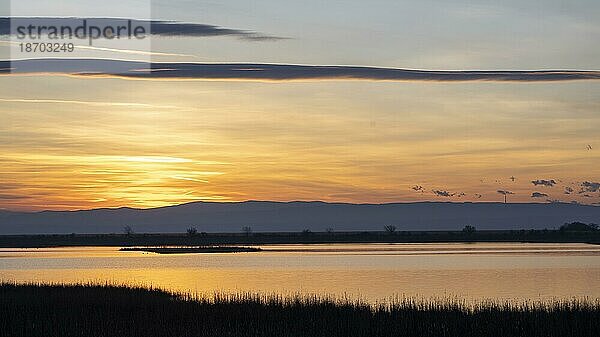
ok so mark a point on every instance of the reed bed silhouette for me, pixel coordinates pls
(48, 310)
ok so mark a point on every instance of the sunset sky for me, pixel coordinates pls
(77, 142)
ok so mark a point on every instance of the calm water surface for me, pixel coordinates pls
(368, 271)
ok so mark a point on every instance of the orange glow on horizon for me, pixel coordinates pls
(177, 142)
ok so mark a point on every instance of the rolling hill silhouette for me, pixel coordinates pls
(299, 215)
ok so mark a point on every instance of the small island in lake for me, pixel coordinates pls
(192, 250)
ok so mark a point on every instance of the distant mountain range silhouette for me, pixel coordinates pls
(299, 215)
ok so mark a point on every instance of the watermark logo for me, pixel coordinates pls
(73, 29)
(114, 30)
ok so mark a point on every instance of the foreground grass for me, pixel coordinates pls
(105, 310)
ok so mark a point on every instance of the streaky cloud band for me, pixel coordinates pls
(157, 27)
(275, 72)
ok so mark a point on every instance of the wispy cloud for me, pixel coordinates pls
(153, 159)
(133, 52)
(275, 72)
(88, 103)
(189, 179)
(157, 27)
(539, 195)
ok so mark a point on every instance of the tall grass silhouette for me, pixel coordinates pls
(49, 310)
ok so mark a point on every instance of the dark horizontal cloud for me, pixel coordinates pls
(275, 72)
(544, 182)
(504, 192)
(442, 193)
(589, 186)
(157, 27)
(539, 195)
(6, 196)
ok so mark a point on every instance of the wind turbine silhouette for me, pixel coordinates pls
(505, 194)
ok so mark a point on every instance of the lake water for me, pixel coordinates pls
(368, 271)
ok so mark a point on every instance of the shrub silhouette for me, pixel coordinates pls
(192, 231)
(468, 229)
(127, 230)
(579, 226)
(391, 229)
(247, 230)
